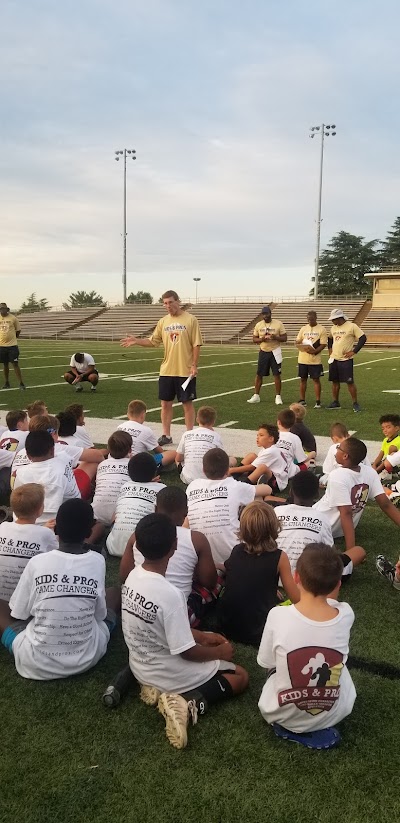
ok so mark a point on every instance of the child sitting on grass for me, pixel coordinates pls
(182, 671)
(252, 575)
(269, 463)
(290, 444)
(338, 433)
(13, 439)
(306, 436)
(37, 407)
(143, 437)
(390, 424)
(137, 498)
(305, 648)
(214, 503)
(22, 539)
(61, 614)
(111, 475)
(54, 474)
(195, 443)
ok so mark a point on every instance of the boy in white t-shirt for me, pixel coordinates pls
(37, 407)
(81, 431)
(13, 439)
(136, 499)
(22, 539)
(214, 503)
(55, 475)
(61, 614)
(301, 524)
(290, 444)
(195, 443)
(143, 437)
(182, 671)
(305, 648)
(348, 490)
(111, 475)
(270, 463)
(338, 433)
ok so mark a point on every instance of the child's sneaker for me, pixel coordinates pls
(388, 570)
(150, 695)
(176, 711)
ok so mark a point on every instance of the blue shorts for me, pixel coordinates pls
(158, 457)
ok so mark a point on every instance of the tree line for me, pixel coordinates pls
(79, 300)
(348, 257)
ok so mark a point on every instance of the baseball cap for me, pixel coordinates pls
(266, 310)
(4, 306)
(336, 314)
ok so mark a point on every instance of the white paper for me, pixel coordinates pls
(278, 354)
(331, 359)
(187, 381)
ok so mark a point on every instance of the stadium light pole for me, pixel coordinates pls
(196, 280)
(322, 131)
(118, 154)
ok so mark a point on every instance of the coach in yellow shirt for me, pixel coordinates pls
(9, 351)
(344, 341)
(179, 333)
(310, 341)
(268, 334)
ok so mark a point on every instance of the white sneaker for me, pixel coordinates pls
(278, 400)
(255, 399)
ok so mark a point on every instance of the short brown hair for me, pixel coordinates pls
(43, 423)
(76, 409)
(37, 407)
(215, 464)
(119, 444)
(170, 293)
(14, 417)
(320, 568)
(26, 500)
(259, 527)
(338, 430)
(271, 429)
(287, 418)
(299, 410)
(136, 407)
(206, 416)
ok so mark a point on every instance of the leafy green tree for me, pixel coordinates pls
(389, 255)
(343, 264)
(33, 304)
(81, 299)
(139, 297)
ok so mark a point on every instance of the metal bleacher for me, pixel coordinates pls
(54, 324)
(382, 327)
(294, 315)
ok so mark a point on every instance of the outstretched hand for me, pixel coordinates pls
(128, 341)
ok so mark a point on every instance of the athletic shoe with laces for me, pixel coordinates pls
(356, 407)
(334, 405)
(150, 695)
(302, 402)
(164, 440)
(387, 569)
(254, 399)
(79, 388)
(6, 386)
(93, 388)
(278, 400)
(317, 404)
(177, 711)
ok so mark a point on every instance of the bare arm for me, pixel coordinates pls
(195, 357)
(378, 460)
(287, 580)
(205, 571)
(201, 654)
(127, 560)
(144, 342)
(388, 508)
(92, 456)
(347, 524)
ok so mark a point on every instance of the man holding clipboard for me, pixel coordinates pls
(180, 334)
(310, 341)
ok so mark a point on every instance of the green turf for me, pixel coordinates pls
(225, 380)
(66, 758)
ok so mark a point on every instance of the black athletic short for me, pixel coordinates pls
(218, 688)
(315, 372)
(341, 371)
(171, 387)
(84, 376)
(9, 354)
(267, 363)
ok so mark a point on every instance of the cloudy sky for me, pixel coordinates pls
(217, 98)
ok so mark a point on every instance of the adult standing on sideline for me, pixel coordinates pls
(83, 369)
(268, 334)
(179, 333)
(10, 330)
(310, 341)
(344, 341)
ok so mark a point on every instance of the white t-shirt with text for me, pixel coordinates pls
(143, 437)
(300, 526)
(213, 508)
(276, 460)
(181, 565)
(111, 475)
(134, 502)
(13, 441)
(290, 446)
(57, 479)
(347, 487)
(18, 543)
(194, 445)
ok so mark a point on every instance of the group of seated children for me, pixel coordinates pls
(219, 537)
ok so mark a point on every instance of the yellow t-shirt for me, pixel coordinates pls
(344, 338)
(386, 444)
(308, 335)
(273, 327)
(178, 335)
(9, 325)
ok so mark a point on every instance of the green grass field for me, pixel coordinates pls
(66, 758)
